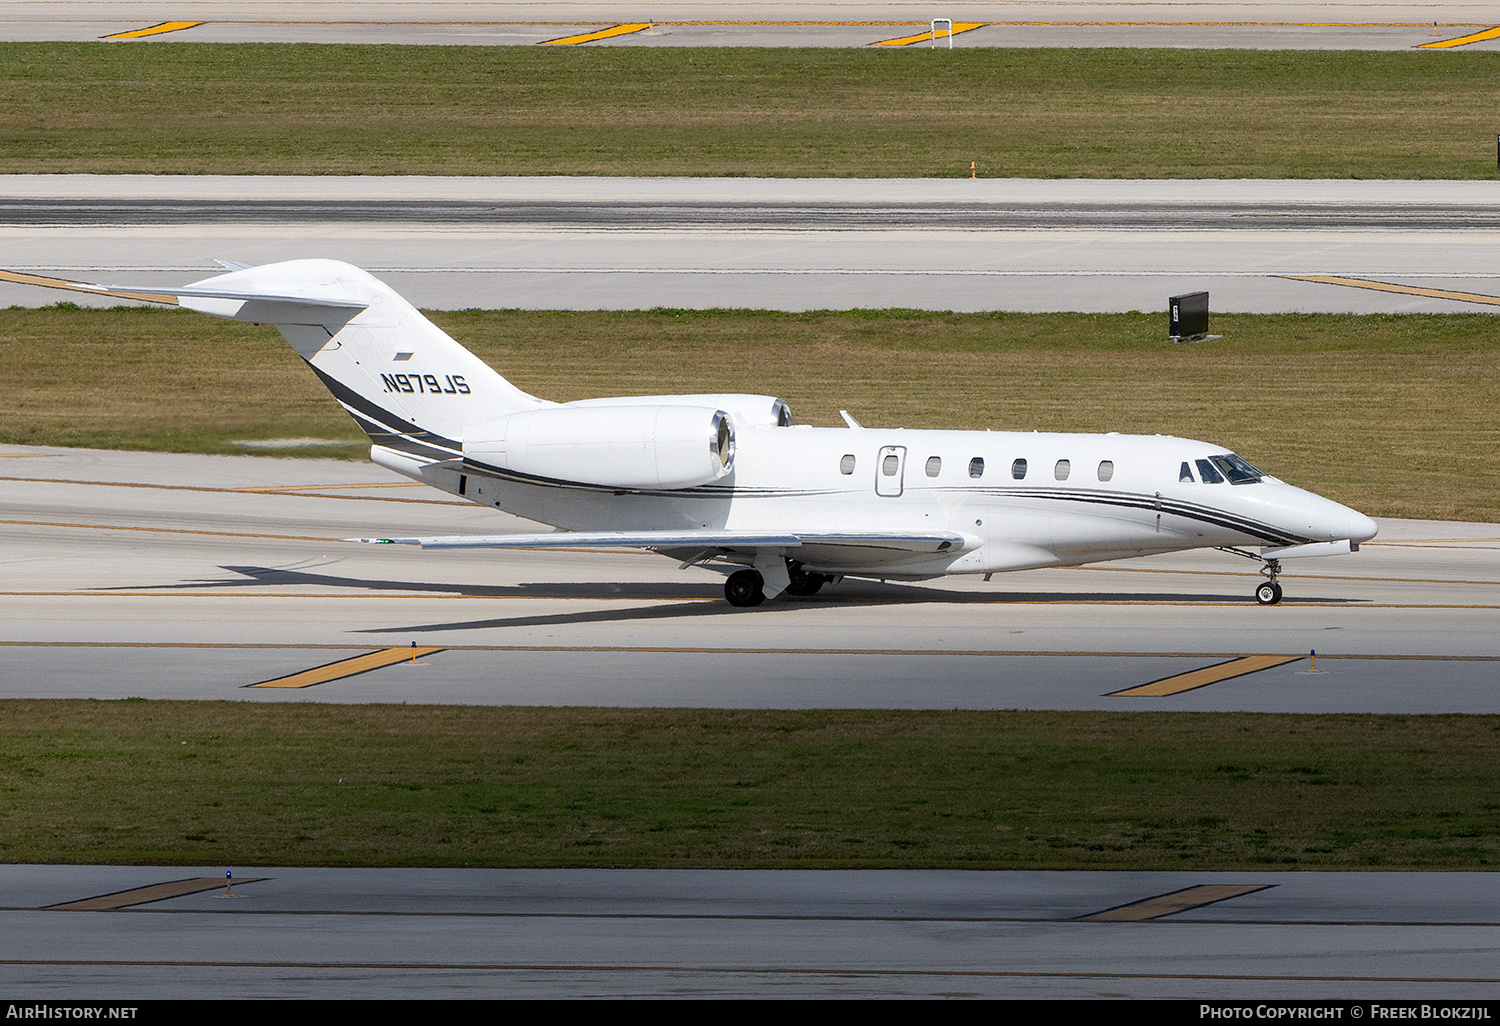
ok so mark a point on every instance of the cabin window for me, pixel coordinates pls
(934, 466)
(1061, 470)
(846, 465)
(1208, 474)
(1184, 473)
(1018, 470)
(1106, 470)
(976, 467)
(890, 465)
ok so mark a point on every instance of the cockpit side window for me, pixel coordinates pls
(1184, 473)
(1207, 472)
(1238, 471)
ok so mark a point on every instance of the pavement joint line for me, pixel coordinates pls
(657, 649)
(1204, 603)
(158, 29)
(1202, 678)
(1172, 903)
(838, 971)
(285, 490)
(344, 668)
(140, 895)
(171, 530)
(753, 917)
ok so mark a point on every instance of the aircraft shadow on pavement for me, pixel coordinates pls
(844, 595)
(868, 596)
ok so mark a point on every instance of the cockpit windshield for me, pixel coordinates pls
(1229, 467)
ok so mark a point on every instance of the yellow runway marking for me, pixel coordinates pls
(958, 27)
(1206, 676)
(156, 30)
(142, 895)
(609, 33)
(1171, 904)
(1477, 37)
(346, 668)
(1405, 290)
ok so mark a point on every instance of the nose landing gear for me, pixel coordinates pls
(1269, 592)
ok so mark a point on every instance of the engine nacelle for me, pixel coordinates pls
(754, 410)
(646, 446)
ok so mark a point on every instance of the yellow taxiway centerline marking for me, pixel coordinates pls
(1171, 904)
(1206, 676)
(319, 488)
(142, 895)
(1477, 37)
(958, 27)
(1405, 290)
(609, 33)
(155, 30)
(346, 668)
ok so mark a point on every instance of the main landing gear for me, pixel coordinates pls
(748, 588)
(745, 588)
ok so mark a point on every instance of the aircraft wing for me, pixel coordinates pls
(899, 541)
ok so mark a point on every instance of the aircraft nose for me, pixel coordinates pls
(1361, 527)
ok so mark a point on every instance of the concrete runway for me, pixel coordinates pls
(793, 244)
(400, 933)
(1366, 26)
(190, 577)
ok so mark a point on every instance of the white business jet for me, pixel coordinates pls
(728, 482)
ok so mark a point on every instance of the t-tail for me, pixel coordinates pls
(405, 382)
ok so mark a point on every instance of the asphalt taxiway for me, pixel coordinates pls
(192, 577)
(123, 933)
(790, 244)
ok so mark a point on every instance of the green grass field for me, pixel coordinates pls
(189, 108)
(1394, 415)
(307, 784)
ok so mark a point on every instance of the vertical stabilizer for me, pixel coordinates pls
(407, 384)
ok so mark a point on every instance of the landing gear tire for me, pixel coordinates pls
(804, 584)
(1268, 594)
(745, 588)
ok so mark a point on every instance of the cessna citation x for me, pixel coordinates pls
(730, 483)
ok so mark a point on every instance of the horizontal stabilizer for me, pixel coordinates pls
(173, 296)
(936, 541)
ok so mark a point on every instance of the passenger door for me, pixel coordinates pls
(889, 470)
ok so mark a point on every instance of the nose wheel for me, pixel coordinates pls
(1269, 592)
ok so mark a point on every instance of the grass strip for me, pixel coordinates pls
(208, 783)
(1392, 414)
(188, 108)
